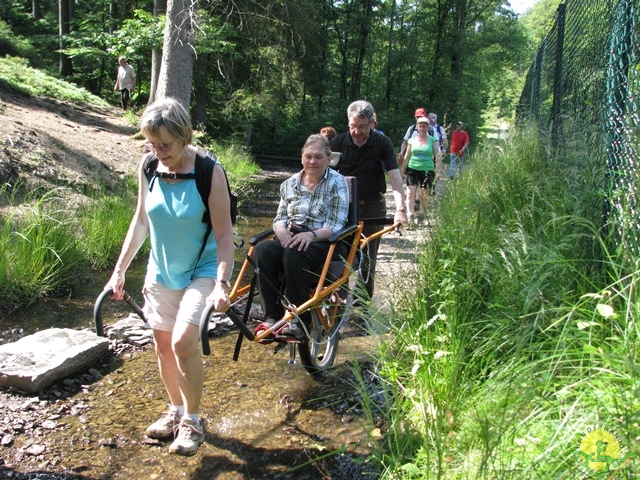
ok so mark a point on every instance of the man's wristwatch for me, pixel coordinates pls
(225, 283)
(315, 235)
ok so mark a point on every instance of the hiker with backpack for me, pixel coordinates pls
(187, 266)
(412, 131)
(421, 169)
(440, 134)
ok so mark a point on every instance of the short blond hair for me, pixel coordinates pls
(170, 113)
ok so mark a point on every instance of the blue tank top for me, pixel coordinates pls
(421, 155)
(176, 232)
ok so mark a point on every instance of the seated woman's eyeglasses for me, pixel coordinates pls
(162, 147)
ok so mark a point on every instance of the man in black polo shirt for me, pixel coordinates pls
(367, 155)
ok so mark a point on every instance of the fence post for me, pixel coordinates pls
(558, 84)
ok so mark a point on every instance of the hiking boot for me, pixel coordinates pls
(162, 428)
(189, 437)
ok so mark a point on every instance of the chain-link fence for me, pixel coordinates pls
(583, 87)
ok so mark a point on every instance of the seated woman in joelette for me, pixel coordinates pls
(314, 203)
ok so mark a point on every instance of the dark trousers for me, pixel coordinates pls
(370, 209)
(125, 95)
(298, 268)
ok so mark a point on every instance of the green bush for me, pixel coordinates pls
(13, 45)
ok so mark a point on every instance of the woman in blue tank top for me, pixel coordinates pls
(182, 276)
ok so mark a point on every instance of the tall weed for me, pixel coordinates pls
(515, 344)
(40, 250)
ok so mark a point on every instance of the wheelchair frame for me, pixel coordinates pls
(318, 350)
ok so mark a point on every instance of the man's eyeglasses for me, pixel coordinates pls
(162, 147)
(360, 128)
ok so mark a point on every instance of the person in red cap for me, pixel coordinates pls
(412, 131)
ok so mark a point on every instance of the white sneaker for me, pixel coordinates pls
(190, 436)
(163, 427)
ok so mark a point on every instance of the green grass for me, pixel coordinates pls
(47, 244)
(15, 74)
(521, 335)
(40, 252)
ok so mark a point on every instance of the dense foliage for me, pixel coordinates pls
(277, 70)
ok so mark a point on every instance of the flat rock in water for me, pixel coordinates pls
(130, 330)
(37, 361)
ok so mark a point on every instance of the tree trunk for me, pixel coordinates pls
(176, 70)
(200, 91)
(64, 22)
(457, 49)
(159, 8)
(444, 7)
(36, 13)
(387, 95)
(363, 41)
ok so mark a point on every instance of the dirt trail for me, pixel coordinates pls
(49, 143)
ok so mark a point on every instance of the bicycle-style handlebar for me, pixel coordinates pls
(97, 310)
(204, 327)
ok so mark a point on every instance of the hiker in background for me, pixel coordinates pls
(420, 169)
(314, 204)
(125, 81)
(374, 123)
(440, 134)
(182, 276)
(459, 144)
(412, 131)
(368, 155)
(328, 132)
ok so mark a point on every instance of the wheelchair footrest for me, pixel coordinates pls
(261, 328)
(287, 334)
(287, 338)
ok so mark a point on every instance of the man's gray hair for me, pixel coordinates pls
(435, 117)
(360, 108)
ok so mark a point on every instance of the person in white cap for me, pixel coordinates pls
(421, 167)
(412, 131)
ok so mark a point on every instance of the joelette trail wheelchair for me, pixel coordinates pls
(330, 302)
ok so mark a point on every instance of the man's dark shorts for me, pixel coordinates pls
(420, 178)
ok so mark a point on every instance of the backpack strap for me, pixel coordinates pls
(203, 173)
(150, 166)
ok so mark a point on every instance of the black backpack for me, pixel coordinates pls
(414, 127)
(202, 174)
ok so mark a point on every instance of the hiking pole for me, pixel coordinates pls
(97, 310)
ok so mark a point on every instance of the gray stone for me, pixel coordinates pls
(130, 330)
(37, 361)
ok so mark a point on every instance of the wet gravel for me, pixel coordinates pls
(63, 432)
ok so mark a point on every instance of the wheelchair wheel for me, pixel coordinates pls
(319, 351)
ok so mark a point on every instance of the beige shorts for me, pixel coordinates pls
(163, 306)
